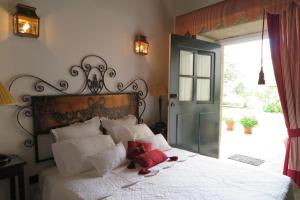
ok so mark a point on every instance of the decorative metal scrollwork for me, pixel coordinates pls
(95, 71)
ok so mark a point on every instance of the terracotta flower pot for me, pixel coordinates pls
(230, 126)
(248, 130)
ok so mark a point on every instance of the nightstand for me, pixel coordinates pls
(12, 169)
(160, 128)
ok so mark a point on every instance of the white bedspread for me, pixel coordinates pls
(193, 177)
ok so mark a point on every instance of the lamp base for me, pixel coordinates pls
(160, 128)
(160, 125)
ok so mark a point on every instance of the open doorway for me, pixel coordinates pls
(247, 104)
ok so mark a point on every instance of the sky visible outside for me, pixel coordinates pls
(247, 58)
(242, 63)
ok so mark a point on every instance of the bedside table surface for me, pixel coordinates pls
(11, 170)
(15, 161)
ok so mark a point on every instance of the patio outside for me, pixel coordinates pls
(265, 142)
(244, 97)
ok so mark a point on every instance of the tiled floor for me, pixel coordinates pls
(266, 141)
(255, 145)
(297, 193)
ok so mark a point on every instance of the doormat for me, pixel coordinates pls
(246, 159)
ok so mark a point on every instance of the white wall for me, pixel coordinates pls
(185, 6)
(71, 29)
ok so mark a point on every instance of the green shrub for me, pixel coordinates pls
(273, 107)
(248, 122)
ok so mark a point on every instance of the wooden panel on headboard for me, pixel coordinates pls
(51, 112)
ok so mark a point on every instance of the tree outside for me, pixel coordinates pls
(239, 93)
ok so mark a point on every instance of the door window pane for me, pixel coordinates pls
(203, 65)
(203, 89)
(185, 89)
(186, 63)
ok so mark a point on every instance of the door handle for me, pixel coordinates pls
(172, 104)
(173, 96)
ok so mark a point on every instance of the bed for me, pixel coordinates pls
(192, 176)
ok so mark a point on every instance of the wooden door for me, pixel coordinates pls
(194, 95)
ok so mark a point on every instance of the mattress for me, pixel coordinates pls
(192, 177)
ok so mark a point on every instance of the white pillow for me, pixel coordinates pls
(123, 133)
(109, 123)
(86, 129)
(109, 159)
(158, 142)
(140, 131)
(71, 156)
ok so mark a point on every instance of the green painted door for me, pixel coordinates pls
(194, 95)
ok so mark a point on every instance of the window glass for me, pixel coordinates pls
(203, 65)
(186, 63)
(203, 89)
(185, 89)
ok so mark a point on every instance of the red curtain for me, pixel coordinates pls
(284, 34)
(225, 14)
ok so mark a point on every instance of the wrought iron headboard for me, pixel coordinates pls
(95, 71)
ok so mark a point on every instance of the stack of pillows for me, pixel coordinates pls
(82, 146)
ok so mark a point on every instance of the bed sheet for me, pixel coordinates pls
(192, 177)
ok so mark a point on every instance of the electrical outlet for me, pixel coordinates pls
(33, 179)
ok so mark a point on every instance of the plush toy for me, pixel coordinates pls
(140, 152)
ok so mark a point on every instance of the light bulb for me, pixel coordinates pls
(25, 27)
(137, 49)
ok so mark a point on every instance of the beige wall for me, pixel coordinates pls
(185, 6)
(71, 29)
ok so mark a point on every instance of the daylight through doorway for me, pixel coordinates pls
(259, 130)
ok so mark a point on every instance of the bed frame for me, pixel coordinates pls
(94, 98)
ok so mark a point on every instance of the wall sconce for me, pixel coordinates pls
(26, 23)
(141, 45)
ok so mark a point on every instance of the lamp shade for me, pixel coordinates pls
(5, 96)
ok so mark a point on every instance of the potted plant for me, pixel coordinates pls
(248, 123)
(229, 123)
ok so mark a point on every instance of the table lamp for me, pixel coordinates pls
(5, 99)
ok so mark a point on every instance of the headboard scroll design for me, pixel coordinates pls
(95, 71)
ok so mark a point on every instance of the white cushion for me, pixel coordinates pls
(71, 155)
(108, 124)
(86, 129)
(158, 142)
(122, 134)
(125, 133)
(109, 159)
(140, 131)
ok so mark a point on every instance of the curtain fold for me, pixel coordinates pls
(227, 13)
(284, 35)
